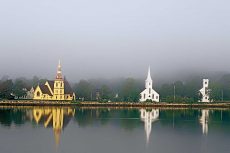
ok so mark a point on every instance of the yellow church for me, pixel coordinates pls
(59, 89)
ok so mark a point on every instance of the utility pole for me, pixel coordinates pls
(222, 95)
(174, 92)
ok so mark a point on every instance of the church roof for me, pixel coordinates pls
(45, 89)
(51, 83)
(68, 89)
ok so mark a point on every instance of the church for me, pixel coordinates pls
(149, 93)
(59, 89)
(205, 91)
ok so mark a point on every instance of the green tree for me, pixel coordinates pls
(106, 93)
(83, 89)
(19, 88)
(225, 84)
(215, 91)
(130, 91)
(6, 89)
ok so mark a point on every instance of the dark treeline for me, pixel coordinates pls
(126, 89)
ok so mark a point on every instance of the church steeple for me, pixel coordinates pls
(149, 75)
(148, 81)
(59, 72)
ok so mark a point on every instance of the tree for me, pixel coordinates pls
(19, 88)
(106, 93)
(225, 85)
(6, 89)
(83, 89)
(215, 91)
(130, 91)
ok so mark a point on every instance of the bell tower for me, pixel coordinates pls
(59, 84)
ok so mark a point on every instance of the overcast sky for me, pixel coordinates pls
(113, 38)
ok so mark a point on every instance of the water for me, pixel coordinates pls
(108, 130)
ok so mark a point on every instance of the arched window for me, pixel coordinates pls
(38, 94)
(61, 84)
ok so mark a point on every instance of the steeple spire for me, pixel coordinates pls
(148, 81)
(149, 74)
(59, 72)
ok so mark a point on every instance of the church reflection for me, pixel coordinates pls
(148, 116)
(204, 120)
(56, 118)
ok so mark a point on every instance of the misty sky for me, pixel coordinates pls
(113, 38)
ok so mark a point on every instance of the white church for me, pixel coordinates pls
(205, 91)
(149, 93)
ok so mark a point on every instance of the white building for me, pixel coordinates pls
(204, 121)
(149, 93)
(148, 117)
(205, 91)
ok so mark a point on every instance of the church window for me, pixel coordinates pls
(56, 84)
(61, 84)
(206, 91)
(153, 96)
(144, 96)
(157, 97)
(149, 90)
(38, 94)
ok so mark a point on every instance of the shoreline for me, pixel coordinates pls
(115, 104)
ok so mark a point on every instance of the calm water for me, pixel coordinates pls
(84, 130)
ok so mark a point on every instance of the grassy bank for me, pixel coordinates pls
(115, 104)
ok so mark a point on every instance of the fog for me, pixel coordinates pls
(114, 38)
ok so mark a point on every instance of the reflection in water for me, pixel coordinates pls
(57, 118)
(204, 120)
(148, 117)
(98, 130)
